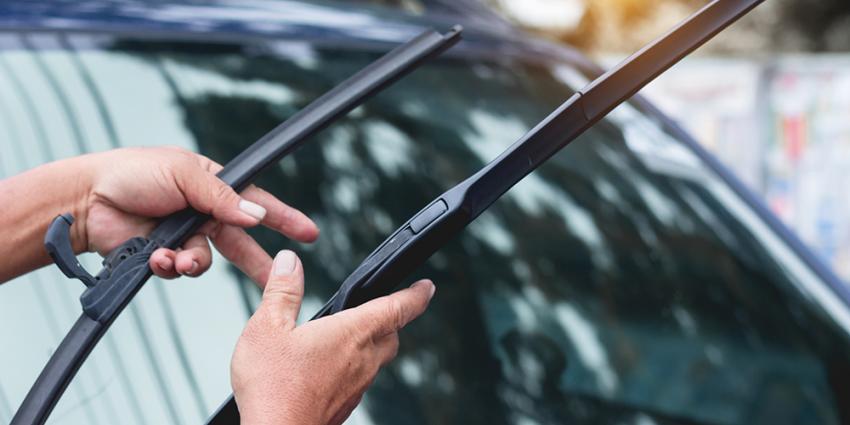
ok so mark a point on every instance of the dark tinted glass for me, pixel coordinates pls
(620, 283)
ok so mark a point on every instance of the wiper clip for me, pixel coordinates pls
(105, 292)
(57, 241)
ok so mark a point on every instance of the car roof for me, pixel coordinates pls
(270, 18)
(320, 21)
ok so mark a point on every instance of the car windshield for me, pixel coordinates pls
(623, 282)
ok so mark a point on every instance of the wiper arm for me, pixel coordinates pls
(414, 242)
(126, 268)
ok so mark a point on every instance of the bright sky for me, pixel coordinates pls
(546, 14)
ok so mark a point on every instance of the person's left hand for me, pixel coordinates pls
(315, 373)
(133, 187)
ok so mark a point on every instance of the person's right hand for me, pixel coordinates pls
(130, 189)
(316, 373)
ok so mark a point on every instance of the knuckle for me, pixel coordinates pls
(174, 148)
(361, 336)
(394, 313)
(215, 230)
(394, 345)
(223, 196)
(204, 265)
(181, 158)
(284, 290)
(223, 192)
(207, 164)
(269, 320)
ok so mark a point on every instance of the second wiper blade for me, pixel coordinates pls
(414, 242)
(126, 269)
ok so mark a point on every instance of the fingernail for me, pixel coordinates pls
(192, 269)
(284, 263)
(252, 209)
(165, 263)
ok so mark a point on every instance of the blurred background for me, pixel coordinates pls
(770, 96)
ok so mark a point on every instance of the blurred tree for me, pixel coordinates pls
(625, 25)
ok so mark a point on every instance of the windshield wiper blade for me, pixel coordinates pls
(126, 269)
(414, 242)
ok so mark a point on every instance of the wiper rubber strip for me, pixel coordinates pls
(414, 242)
(126, 268)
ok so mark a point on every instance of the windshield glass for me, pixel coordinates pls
(622, 282)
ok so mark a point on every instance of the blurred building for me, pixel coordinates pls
(783, 125)
(765, 96)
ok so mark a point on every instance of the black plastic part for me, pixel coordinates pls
(393, 261)
(57, 241)
(227, 413)
(127, 263)
(59, 371)
(372, 263)
(626, 79)
(469, 199)
(421, 221)
(386, 70)
(102, 299)
(127, 270)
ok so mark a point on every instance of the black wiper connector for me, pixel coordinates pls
(126, 269)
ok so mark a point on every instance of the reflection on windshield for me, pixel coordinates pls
(620, 283)
(610, 285)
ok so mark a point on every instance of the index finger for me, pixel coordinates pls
(386, 315)
(279, 216)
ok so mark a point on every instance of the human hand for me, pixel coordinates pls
(316, 373)
(131, 188)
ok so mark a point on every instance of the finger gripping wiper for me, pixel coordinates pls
(421, 236)
(126, 269)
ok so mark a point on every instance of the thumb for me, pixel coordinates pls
(205, 192)
(285, 288)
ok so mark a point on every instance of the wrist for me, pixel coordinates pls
(258, 412)
(249, 416)
(76, 177)
(38, 196)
